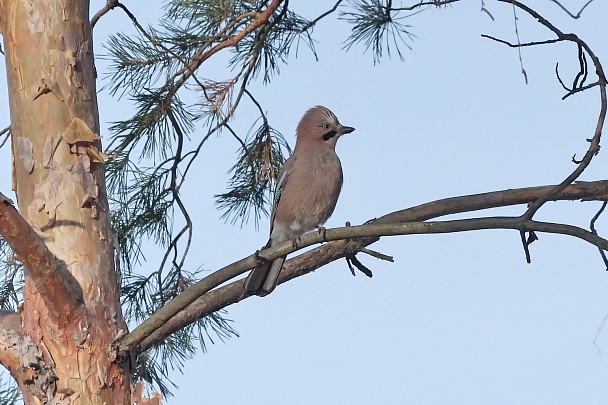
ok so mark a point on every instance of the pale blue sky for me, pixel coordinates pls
(457, 319)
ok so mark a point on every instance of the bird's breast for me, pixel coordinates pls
(311, 192)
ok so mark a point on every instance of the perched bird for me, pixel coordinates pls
(307, 191)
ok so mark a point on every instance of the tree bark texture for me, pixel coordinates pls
(58, 348)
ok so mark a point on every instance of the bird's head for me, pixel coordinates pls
(320, 125)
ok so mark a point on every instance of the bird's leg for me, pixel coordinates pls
(295, 240)
(322, 231)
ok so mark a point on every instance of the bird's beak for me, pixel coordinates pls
(345, 130)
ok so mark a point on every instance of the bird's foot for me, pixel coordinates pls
(295, 240)
(322, 231)
(259, 258)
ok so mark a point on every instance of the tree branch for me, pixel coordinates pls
(53, 281)
(594, 142)
(7, 132)
(436, 3)
(575, 16)
(165, 321)
(110, 5)
(181, 76)
(202, 55)
(319, 18)
(321, 256)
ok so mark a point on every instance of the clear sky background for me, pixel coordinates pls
(459, 318)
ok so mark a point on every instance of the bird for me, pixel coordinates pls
(307, 190)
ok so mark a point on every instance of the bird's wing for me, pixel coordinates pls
(277, 196)
(278, 190)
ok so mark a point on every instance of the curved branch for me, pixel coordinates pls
(234, 292)
(397, 223)
(319, 18)
(575, 16)
(110, 5)
(601, 82)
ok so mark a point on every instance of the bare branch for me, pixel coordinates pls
(307, 262)
(377, 255)
(7, 134)
(521, 62)
(110, 5)
(523, 44)
(592, 227)
(580, 89)
(397, 223)
(319, 18)
(594, 142)
(421, 4)
(575, 16)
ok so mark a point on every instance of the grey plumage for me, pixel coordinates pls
(307, 192)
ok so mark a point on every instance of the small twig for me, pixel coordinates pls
(110, 5)
(319, 18)
(234, 134)
(350, 265)
(422, 3)
(594, 231)
(595, 140)
(523, 44)
(597, 334)
(175, 190)
(378, 255)
(352, 260)
(579, 89)
(485, 10)
(521, 62)
(560, 79)
(6, 131)
(575, 16)
(582, 74)
(525, 245)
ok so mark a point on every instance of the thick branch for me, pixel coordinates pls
(54, 283)
(345, 248)
(161, 323)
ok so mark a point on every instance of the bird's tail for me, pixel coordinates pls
(262, 280)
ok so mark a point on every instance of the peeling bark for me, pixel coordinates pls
(71, 314)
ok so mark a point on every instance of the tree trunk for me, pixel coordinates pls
(59, 347)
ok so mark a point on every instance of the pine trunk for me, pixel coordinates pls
(59, 347)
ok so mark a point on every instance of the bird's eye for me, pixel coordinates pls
(326, 125)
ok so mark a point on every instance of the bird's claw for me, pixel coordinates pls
(322, 231)
(258, 257)
(294, 241)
